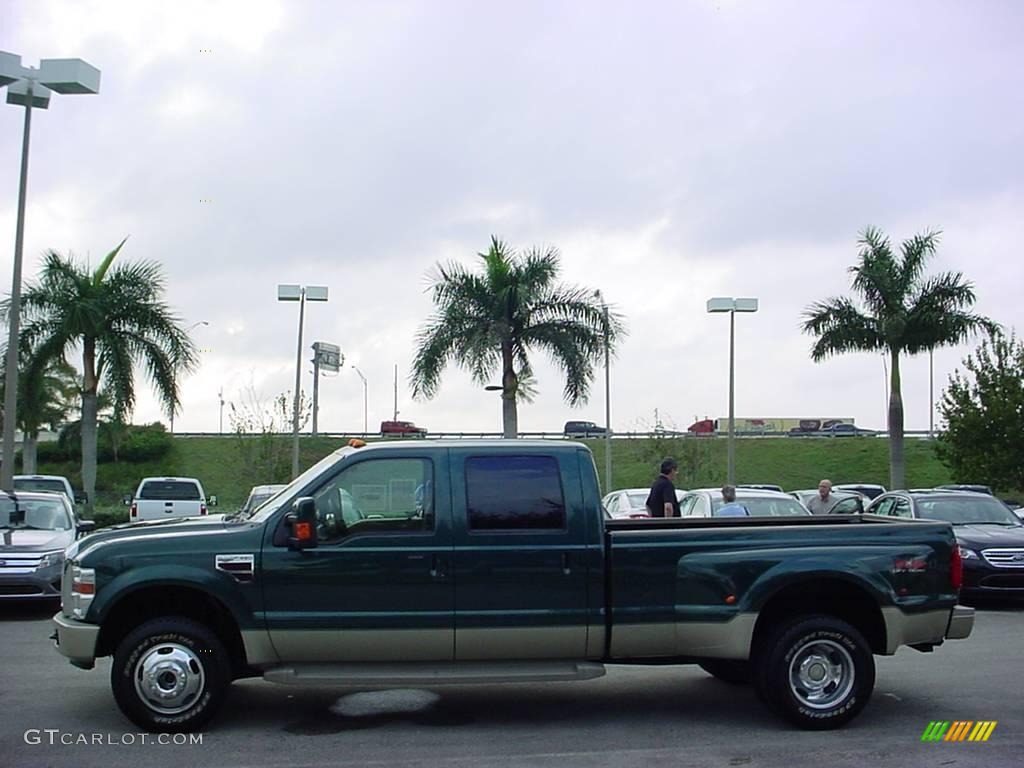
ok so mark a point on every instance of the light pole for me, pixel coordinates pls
(732, 306)
(931, 393)
(607, 399)
(30, 88)
(194, 325)
(366, 427)
(220, 396)
(301, 294)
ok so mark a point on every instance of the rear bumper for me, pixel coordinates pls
(961, 623)
(76, 640)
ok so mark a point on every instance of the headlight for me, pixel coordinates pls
(50, 559)
(967, 554)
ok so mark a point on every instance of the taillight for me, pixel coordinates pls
(135, 511)
(202, 509)
(956, 568)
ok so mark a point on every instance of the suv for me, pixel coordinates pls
(401, 428)
(583, 429)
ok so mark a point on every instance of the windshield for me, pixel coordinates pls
(39, 484)
(967, 511)
(766, 507)
(301, 481)
(638, 499)
(38, 514)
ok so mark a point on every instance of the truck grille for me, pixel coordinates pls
(19, 563)
(1004, 558)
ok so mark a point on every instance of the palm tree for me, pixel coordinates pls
(45, 402)
(903, 312)
(117, 318)
(490, 321)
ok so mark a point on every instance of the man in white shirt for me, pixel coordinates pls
(822, 503)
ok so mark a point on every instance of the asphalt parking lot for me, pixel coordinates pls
(650, 716)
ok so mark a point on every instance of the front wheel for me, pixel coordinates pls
(170, 674)
(816, 671)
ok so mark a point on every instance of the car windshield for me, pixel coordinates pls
(967, 511)
(38, 514)
(301, 481)
(761, 506)
(637, 499)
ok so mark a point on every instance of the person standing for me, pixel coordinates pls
(731, 507)
(822, 503)
(662, 500)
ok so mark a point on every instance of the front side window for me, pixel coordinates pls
(376, 496)
(514, 493)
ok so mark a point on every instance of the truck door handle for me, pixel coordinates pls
(438, 568)
(566, 570)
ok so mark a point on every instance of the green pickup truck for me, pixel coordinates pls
(428, 562)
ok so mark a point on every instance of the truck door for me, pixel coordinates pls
(520, 558)
(378, 586)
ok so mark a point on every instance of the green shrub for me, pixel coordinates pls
(107, 516)
(115, 442)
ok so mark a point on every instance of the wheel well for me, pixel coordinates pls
(148, 603)
(833, 597)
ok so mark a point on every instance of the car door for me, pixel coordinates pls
(378, 586)
(883, 506)
(520, 561)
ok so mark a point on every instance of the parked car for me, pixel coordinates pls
(506, 571)
(846, 502)
(990, 536)
(163, 498)
(761, 486)
(35, 529)
(584, 429)
(401, 428)
(705, 502)
(52, 483)
(846, 430)
(627, 503)
(258, 495)
(870, 490)
(966, 487)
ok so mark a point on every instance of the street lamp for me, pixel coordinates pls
(607, 399)
(30, 87)
(366, 426)
(732, 306)
(301, 294)
(194, 325)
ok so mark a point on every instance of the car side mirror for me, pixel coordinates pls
(85, 526)
(81, 498)
(212, 501)
(302, 520)
(127, 500)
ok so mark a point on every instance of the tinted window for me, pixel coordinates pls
(848, 506)
(514, 493)
(170, 490)
(39, 484)
(376, 496)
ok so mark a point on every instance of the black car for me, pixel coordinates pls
(584, 429)
(990, 536)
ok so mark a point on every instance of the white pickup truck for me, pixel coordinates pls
(160, 498)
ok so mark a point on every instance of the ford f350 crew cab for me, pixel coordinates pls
(425, 562)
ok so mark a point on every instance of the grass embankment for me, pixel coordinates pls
(221, 465)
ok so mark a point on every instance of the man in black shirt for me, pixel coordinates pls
(662, 501)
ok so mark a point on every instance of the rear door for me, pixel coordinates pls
(520, 560)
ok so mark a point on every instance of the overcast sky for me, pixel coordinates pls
(671, 151)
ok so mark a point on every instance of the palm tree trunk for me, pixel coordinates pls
(28, 454)
(897, 468)
(89, 388)
(509, 384)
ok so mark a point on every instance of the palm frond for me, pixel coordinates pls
(840, 327)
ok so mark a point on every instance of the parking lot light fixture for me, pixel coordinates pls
(301, 294)
(30, 87)
(732, 306)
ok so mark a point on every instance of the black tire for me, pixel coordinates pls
(816, 671)
(188, 667)
(728, 670)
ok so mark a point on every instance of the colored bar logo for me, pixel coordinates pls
(959, 730)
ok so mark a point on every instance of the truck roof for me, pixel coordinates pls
(494, 442)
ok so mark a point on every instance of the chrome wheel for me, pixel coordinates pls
(821, 674)
(169, 678)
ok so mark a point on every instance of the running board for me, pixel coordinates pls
(427, 674)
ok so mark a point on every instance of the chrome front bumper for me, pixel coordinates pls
(961, 622)
(76, 640)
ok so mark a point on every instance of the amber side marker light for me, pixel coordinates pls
(355, 442)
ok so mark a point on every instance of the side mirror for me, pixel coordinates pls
(302, 520)
(127, 500)
(84, 526)
(212, 501)
(81, 498)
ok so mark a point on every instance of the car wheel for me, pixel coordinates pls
(816, 671)
(728, 670)
(170, 675)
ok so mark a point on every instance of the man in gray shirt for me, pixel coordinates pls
(822, 503)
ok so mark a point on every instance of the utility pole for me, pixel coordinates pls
(395, 417)
(316, 385)
(220, 396)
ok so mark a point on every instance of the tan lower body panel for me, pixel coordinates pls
(713, 639)
(447, 673)
(906, 629)
(325, 645)
(521, 643)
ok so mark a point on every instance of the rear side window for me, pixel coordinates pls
(170, 490)
(508, 493)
